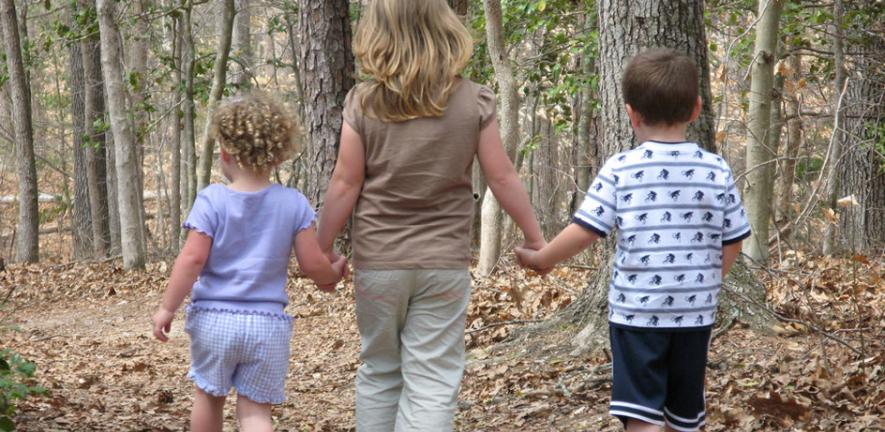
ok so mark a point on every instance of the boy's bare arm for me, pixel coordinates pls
(568, 243)
(729, 256)
(506, 185)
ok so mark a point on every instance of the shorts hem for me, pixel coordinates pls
(204, 385)
(260, 400)
(685, 429)
(623, 416)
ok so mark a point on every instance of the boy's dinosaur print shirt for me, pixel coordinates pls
(674, 206)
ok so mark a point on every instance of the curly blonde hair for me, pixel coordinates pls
(256, 130)
(411, 52)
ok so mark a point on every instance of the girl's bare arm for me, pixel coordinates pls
(344, 188)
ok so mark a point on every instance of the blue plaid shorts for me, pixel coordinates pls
(248, 351)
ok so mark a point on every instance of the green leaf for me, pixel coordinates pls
(6, 424)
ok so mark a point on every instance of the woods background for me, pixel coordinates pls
(104, 144)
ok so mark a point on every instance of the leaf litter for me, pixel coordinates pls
(87, 328)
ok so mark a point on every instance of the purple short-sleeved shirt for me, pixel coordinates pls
(252, 237)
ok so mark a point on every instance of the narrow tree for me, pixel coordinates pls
(243, 44)
(834, 158)
(175, 118)
(82, 228)
(327, 70)
(219, 78)
(760, 166)
(783, 211)
(508, 102)
(96, 172)
(27, 242)
(188, 53)
(131, 225)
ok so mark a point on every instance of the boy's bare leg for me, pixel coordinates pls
(253, 416)
(207, 414)
(641, 426)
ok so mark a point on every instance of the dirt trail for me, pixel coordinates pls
(87, 329)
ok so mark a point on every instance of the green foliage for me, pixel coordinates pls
(808, 169)
(16, 376)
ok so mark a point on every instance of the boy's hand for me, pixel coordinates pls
(528, 258)
(162, 320)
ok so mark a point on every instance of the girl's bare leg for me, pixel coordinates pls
(253, 416)
(208, 412)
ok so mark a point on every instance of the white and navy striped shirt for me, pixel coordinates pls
(674, 206)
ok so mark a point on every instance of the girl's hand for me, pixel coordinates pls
(162, 323)
(339, 265)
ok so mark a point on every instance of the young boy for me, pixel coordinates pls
(680, 226)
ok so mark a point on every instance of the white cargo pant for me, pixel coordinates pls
(411, 326)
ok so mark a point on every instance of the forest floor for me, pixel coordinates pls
(86, 326)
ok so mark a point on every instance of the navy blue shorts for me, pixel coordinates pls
(658, 377)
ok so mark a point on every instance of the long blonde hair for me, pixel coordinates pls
(410, 52)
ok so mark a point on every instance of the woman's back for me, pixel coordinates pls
(416, 205)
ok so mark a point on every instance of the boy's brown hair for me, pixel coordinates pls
(661, 85)
(256, 130)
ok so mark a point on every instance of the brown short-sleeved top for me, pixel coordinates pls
(416, 205)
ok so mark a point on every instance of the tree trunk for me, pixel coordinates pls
(838, 140)
(219, 79)
(175, 195)
(27, 241)
(82, 214)
(96, 171)
(862, 174)
(138, 81)
(243, 45)
(189, 174)
(626, 28)
(131, 224)
(784, 210)
(508, 98)
(760, 169)
(327, 70)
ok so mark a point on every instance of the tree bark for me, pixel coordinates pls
(862, 173)
(175, 194)
(138, 81)
(460, 7)
(27, 232)
(835, 154)
(189, 174)
(760, 169)
(327, 69)
(131, 224)
(784, 210)
(96, 171)
(243, 45)
(219, 79)
(82, 214)
(626, 28)
(508, 103)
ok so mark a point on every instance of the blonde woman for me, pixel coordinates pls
(411, 132)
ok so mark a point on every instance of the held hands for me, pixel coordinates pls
(527, 257)
(162, 320)
(339, 265)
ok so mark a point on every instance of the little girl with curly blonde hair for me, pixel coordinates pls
(237, 251)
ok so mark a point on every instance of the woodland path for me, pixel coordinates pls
(87, 329)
